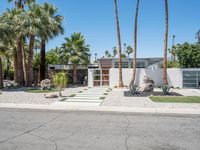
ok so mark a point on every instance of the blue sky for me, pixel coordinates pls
(96, 20)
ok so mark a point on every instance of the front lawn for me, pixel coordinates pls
(176, 99)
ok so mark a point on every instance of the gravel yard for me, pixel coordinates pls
(21, 97)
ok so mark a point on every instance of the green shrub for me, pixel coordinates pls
(60, 81)
(134, 89)
(166, 89)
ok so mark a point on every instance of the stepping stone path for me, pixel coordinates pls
(91, 96)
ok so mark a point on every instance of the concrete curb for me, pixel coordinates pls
(62, 106)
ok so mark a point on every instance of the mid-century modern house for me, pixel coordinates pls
(106, 72)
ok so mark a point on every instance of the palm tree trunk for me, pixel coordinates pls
(15, 60)
(135, 44)
(1, 74)
(42, 60)
(165, 82)
(119, 46)
(24, 63)
(29, 73)
(20, 61)
(75, 74)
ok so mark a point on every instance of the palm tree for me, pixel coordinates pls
(135, 44)
(114, 52)
(106, 53)
(95, 56)
(11, 22)
(119, 45)
(32, 24)
(18, 54)
(76, 51)
(2, 50)
(165, 82)
(129, 50)
(21, 3)
(53, 27)
(198, 36)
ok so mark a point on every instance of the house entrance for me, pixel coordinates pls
(101, 77)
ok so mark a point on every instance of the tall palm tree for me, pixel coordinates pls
(129, 50)
(18, 54)
(76, 51)
(114, 52)
(120, 84)
(32, 25)
(135, 43)
(52, 29)
(11, 21)
(165, 82)
(106, 53)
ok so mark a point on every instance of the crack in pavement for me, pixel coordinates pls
(46, 139)
(127, 135)
(73, 133)
(33, 129)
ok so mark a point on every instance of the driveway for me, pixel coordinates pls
(76, 130)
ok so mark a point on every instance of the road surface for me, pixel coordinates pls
(77, 130)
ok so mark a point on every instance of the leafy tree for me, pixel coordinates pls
(76, 51)
(188, 55)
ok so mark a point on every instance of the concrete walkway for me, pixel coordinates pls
(89, 97)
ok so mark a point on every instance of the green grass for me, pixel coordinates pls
(176, 99)
(40, 91)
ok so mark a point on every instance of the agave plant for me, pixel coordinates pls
(134, 89)
(60, 81)
(166, 89)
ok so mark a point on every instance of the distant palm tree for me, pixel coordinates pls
(114, 52)
(109, 55)
(120, 84)
(198, 36)
(106, 53)
(95, 56)
(135, 43)
(129, 50)
(165, 82)
(76, 51)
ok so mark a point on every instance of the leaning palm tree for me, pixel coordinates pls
(120, 84)
(165, 82)
(135, 44)
(129, 50)
(76, 51)
(53, 27)
(114, 52)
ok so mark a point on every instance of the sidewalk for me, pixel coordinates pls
(67, 107)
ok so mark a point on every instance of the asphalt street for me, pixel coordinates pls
(80, 130)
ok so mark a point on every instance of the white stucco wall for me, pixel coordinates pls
(90, 77)
(174, 76)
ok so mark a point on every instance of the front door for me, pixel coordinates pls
(101, 77)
